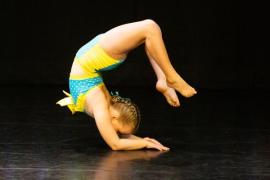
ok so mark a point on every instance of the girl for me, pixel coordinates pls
(118, 118)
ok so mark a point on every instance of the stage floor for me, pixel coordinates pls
(214, 135)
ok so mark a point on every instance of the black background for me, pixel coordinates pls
(212, 44)
(219, 46)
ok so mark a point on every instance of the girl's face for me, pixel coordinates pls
(120, 128)
(117, 124)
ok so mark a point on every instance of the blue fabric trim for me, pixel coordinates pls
(77, 87)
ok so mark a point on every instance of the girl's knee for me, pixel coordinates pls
(151, 26)
(149, 22)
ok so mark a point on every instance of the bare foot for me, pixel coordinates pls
(181, 86)
(169, 93)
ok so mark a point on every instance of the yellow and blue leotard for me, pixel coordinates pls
(93, 60)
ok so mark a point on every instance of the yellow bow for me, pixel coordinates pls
(67, 101)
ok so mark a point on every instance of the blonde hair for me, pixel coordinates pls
(129, 111)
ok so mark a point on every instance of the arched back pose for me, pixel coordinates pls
(118, 118)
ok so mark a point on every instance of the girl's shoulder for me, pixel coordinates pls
(97, 96)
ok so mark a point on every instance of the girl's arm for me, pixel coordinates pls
(130, 136)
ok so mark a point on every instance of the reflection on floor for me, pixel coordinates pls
(215, 135)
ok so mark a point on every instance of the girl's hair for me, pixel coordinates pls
(129, 111)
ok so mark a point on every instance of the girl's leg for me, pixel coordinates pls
(120, 40)
(161, 85)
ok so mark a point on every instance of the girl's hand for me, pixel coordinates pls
(152, 143)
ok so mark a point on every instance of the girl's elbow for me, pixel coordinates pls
(115, 147)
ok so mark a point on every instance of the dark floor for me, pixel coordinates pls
(215, 135)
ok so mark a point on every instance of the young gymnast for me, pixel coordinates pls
(118, 118)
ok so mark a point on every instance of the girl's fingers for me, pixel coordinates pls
(166, 148)
(155, 146)
(162, 148)
(156, 142)
(158, 148)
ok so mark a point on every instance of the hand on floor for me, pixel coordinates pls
(154, 144)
